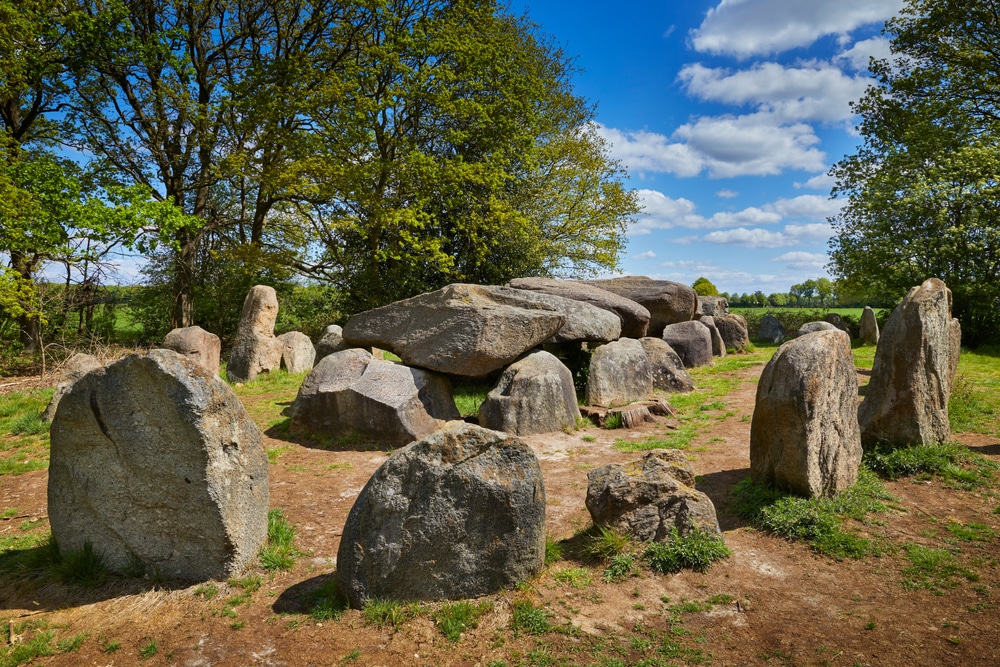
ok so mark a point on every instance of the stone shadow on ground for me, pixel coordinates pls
(306, 595)
(992, 450)
(718, 487)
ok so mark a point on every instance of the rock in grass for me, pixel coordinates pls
(535, 394)
(156, 464)
(648, 498)
(771, 330)
(813, 327)
(619, 373)
(255, 349)
(202, 347)
(456, 515)
(869, 327)
(804, 436)
(733, 329)
(718, 345)
(331, 341)
(906, 402)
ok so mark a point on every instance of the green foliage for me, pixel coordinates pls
(82, 566)
(388, 613)
(620, 567)
(933, 569)
(553, 551)
(149, 648)
(704, 287)
(575, 577)
(280, 552)
(469, 395)
(327, 603)
(454, 618)
(614, 420)
(696, 550)
(604, 543)
(20, 654)
(950, 461)
(529, 618)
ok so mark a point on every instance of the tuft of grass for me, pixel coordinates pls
(83, 566)
(279, 553)
(469, 395)
(972, 531)
(679, 439)
(619, 568)
(575, 577)
(149, 648)
(553, 551)
(207, 591)
(388, 613)
(950, 461)
(72, 644)
(696, 551)
(614, 420)
(327, 602)
(604, 543)
(454, 618)
(28, 423)
(275, 453)
(933, 569)
(39, 646)
(529, 618)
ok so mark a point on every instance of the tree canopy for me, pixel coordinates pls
(923, 191)
(704, 287)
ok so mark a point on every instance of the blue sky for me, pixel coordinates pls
(728, 115)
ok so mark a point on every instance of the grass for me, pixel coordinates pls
(469, 395)
(975, 398)
(820, 522)
(604, 543)
(695, 551)
(574, 577)
(388, 613)
(620, 567)
(279, 553)
(454, 618)
(24, 437)
(38, 646)
(327, 603)
(933, 569)
(530, 619)
(149, 648)
(678, 439)
(950, 461)
(83, 566)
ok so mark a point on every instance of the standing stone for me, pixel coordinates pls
(837, 321)
(718, 345)
(733, 329)
(75, 368)
(692, 341)
(350, 393)
(457, 515)
(461, 329)
(155, 462)
(813, 327)
(634, 318)
(771, 330)
(669, 373)
(869, 327)
(906, 402)
(648, 498)
(804, 437)
(297, 352)
(535, 394)
(332, 340)
(200, 346)
(255, 349)
(712, 306)
(667, 302)
(619, 373)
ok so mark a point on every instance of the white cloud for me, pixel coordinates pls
(763, 238)
(822, 181)
(663, 212)
(649, 254)
(801, 261)
(807, 206)
(857, 56)
(809, 92)
(649, 151)
(727, 194)
(745, 28)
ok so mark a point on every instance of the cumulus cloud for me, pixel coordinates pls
(809, 92)
(816, 207)
(663, 212)
(727, 194)
(857, 56)
(649, 151)
(807, 234)
(744, 28)
(823, 181)
(801, 261)
(649, 254)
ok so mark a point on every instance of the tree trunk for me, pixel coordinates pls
(182, 313)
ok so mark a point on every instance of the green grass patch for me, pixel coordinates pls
(933, 569)
(530, 619)
(553, 551)
(676, 439)
(280, 552)
(149, 648)
(327, 603)
(604, 543)
(820, 522)
(695, 551)
(972, 531)
(620, 567)
(388, 613)
(575, 577)
(952, 462)
(38, 646)
(454, 618)
(83, 566)
(24, 437)
(469, 395)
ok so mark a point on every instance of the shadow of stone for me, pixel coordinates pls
(348, 443)
(993, 450)
(718, 487)
(303, 597)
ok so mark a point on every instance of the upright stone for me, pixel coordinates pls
(255, 349)
(75, 368)
(461, 329)
(733, 329)
(869, 327)
(297, 352)
(619, 373)
(457, 515)
(718, 345)
(667, 302)
(804, 437)
(713, 306)
(837, 321)
(535, 394)
(771, 330)
(634, 318)
(669, 373)
(200, 346)
(906, 402)
(332, 340)
(155, 462)
(692, 341)
(349, 393)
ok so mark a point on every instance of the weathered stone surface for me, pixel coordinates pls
(692, 341)
(332, 340)
(648, 498)
(712, 306)
(771, 330)
(200, 346)
(456, 515)
(804, 436)
(154, 461)
(718, 345)
(460, 329)
(906, 402)
(869, 327)
(75, 368)
(837, 321)
(297, 352)
(733, 329)
(813, 327)
(535, 394)
(349, 393)
(619, 373)
(584, 322)
(634, 318)
(667, 302)
(255, 349)
(668, 370)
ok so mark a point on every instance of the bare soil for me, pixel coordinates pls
(781, 604)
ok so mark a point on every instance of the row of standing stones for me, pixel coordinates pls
(157, 465)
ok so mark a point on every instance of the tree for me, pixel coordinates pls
(704, 287)
(923, 191)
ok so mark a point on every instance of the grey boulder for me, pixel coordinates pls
(733, 329)
(457, 515)
(460, 329)
(712, 306)
(804, 436)
(771, 330)
(668, 370)
(352, 394)
(585, 323)
(156, 464)
(647, 499)
(332, 340)
(75, 368)
(535, 394)
(634, 318)
(667, 302)
(297, 352)
(202, 347)
(813, 327)
(906, 402)
(255, 349)
(718, 345)
(619, 373)
(692, 341)
(869, 327)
